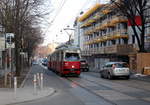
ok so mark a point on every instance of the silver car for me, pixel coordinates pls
(115, 69)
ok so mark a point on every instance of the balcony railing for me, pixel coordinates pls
(114, 49)
(118, 19)
(116, 35)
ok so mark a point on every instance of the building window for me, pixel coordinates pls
(124, 25)
(113, 42)
(104, 43)
(125, 41)
(119, 41)
(97, 45)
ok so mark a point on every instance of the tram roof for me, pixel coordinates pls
(65, 47)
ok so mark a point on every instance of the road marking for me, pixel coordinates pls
(22, 84)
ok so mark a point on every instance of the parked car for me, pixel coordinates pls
(34, 62)
(84, 65)
(115, 69)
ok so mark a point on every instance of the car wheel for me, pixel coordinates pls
(87, 70)
(110, 76)
(82, 70)
(127, 77)
(101, 75)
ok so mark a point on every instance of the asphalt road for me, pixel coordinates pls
(67, 92)
(90, 89)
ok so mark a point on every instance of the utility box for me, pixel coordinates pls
(143, 62)
(146, 71)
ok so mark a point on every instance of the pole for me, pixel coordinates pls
(15, 86)
(10, 63)
(41, 85)
(5, 71)
(10, 58)
(38, 79)
(35, 84)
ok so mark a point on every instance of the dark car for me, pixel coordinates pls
(44, 62)
(84, 65)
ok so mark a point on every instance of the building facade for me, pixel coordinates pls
(105, 35)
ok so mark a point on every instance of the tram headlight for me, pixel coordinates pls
(73, 66)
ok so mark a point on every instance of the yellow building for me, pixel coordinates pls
(105, 35)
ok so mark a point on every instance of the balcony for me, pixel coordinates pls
(117, 35)
(106, 11)
(89, 12)
(119, 49)
(114, 49)
(89, 32)
(119, 19)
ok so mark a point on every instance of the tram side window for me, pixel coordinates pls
(72, 56)
(62, 56)
(59, 56)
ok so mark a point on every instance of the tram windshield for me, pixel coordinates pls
(72, 57)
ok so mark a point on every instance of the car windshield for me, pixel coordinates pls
(72, 57)
(45, 60)
(121, 65)
(83, 61)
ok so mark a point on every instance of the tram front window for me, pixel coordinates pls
(72, 57)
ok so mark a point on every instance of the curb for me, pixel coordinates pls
(50, 94)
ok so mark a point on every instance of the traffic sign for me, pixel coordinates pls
(10, 40)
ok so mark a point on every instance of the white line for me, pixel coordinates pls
(22, 85)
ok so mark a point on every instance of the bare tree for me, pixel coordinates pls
(22, 17)
(131, 9)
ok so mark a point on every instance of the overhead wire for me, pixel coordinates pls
(82, 7)
(61, 5)
(57, 13)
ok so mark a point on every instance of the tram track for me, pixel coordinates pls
(117, 82)
(97, 83)
(89, 90)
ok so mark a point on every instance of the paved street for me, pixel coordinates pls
(90, 89)
(67, 92)
(119, 91)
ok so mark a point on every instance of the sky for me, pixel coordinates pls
(63, 14)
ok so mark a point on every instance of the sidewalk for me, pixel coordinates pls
(141, 77)
(24, 94)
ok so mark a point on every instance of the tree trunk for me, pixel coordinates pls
(143, 34)
(137, 37)
(17, 60)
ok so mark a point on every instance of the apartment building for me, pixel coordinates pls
(105, 36)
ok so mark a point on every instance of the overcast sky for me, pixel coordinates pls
(63, 14)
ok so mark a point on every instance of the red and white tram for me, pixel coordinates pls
(65, 61)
